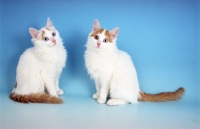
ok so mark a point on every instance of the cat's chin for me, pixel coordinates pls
(52, 45)
(99, 47)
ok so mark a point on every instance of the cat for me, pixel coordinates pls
(39, 68)
(114, 73)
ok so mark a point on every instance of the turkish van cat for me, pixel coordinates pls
(39, 68)
(113, 71)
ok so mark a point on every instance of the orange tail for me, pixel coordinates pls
(35, 98)
(161, 97)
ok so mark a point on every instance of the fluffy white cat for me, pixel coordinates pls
(113, 71)
(39, 68)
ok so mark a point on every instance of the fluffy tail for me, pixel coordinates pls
(161, 97)
(35, 98)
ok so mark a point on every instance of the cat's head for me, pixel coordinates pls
(102, 39)
(48, 36)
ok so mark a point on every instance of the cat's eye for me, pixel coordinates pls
(53, 34)
(105, 40)
(96, 37)
(46, 38)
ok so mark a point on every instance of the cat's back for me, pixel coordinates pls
(124, 70)
(124, 56)
(124, 62)
(27, 58)
(28, 54)
(27, 63)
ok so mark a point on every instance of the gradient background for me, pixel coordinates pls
(162, 37)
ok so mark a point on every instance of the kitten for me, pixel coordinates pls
(39, 68)
(114, 73)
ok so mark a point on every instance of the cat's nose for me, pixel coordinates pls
(54, 41)
(98, 44)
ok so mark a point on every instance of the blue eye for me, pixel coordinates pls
(105, 40)
(46, 38)
(53, 34)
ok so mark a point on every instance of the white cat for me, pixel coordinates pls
(39, 68)
(113, 71)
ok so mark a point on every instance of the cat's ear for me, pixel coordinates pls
(96, 26)
(49, 24)
(33, 32)
(114, 32)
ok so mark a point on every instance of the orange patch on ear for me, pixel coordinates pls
(108, 35)
(43, 32)
(97, 32)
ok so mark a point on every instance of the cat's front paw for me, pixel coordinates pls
(60, 92)
(55, 95)
(95, 96)
(101, 100)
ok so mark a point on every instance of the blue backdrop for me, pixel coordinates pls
(162, 37)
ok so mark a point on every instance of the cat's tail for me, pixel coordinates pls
(36, 98)
(161, 97)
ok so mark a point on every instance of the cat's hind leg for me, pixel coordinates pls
(114, 102)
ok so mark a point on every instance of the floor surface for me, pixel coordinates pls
(86, 113)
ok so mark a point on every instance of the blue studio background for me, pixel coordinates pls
(162, 37)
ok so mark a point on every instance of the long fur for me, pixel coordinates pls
(36, 98)
(161, 97)
(113, 71)
(39, 68)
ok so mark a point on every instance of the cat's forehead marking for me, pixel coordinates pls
(106, 32)
(99, 31)
(48, 29)
(42, 36)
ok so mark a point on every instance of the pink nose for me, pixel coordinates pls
(98, 44)
(54, 41)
